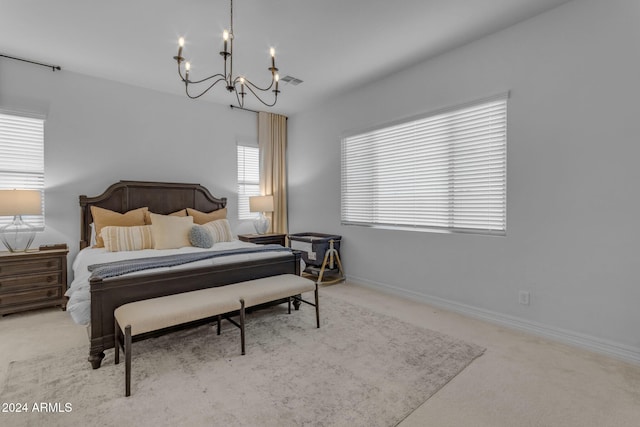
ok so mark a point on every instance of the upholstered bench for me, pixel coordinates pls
(163, 312)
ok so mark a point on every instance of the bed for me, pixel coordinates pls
(106, 294)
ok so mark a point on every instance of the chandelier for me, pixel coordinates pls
(237, 84)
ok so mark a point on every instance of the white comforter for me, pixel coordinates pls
(79, 305)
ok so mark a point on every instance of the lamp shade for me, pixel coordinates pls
(20, 202)
(261, 204)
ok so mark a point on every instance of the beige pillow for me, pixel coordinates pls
(205, 217)
(134, 238)
(220, 230)
(170, 232)
(104, 217)
(181, 212)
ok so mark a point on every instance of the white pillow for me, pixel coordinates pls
(92, 239)
(171, 232)
(244, 227)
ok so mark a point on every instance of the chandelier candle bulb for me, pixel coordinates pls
(180, 46)
(272, 51)
(225, 37)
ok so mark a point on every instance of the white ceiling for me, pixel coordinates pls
(331, 45)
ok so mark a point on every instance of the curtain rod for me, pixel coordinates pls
(53, 67)
(244, 109)
(248, 109)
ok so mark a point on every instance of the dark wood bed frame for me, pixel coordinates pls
(162, 198)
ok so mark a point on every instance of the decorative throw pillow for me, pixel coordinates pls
(200, 237)
(170, 232)
(205, 217)
(104, 217)
(220, 230)
(181, 212)
(134, 238)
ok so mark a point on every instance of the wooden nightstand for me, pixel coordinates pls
(263, 239)
(32, 279)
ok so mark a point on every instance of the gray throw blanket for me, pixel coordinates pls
(118, 268)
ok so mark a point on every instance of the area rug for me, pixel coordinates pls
(361, 368)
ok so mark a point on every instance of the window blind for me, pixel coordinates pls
(248, 178)
(22, 159)
(445, 171)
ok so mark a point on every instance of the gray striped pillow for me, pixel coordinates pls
(220, 230)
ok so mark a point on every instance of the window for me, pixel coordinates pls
(444, 171)
(22, 159)
(248, 178)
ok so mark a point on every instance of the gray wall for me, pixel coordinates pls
(572, 222)
(98, 132)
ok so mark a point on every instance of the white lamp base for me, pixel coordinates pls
(261, 223)
(18, 235)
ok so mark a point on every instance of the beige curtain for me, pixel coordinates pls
(272, 140)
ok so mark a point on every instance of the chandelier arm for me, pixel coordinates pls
(186, 88)
(198, 81)
(180, 72)
(220, 77)
(249, 82)
(260, 99)
(240, 102)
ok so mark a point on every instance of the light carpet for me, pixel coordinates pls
(361, 368)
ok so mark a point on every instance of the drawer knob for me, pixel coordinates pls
(50, 279)
(49, 293)
(51, 264)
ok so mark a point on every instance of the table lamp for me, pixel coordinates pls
(18, 235)
(261, 204)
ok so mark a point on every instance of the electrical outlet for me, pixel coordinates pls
(523, 297)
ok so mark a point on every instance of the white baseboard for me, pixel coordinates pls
(598, 345)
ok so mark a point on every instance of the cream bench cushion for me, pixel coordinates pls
(267, 289)
(162, 312)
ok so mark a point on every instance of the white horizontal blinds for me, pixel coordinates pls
(22, 159)
(248, 178)
(445, 171)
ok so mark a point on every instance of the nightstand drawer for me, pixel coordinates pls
(31, 296)
(10, 284)
(12, 268)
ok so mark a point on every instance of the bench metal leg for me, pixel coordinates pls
(219, 321)
(289, 304)
(127, 358)
(116, 334)
(242, 325)
(317, 307)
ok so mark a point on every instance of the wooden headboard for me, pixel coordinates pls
(160, 197)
